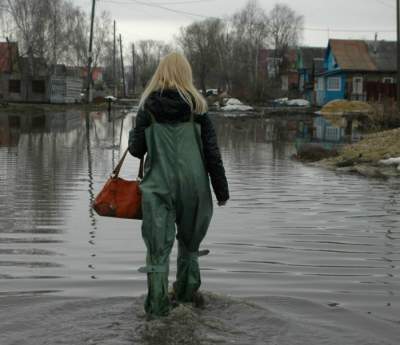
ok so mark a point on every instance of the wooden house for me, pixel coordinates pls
(278, 70)
(351, 67)
(31, 79)
(309, 64)
(288, 72)
(22, 79)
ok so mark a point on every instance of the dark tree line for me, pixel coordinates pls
(56, 31)
(224, 53)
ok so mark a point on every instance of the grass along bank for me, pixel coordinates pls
(370, 156)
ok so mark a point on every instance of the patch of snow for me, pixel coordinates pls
(281, 100)
(212, 92)
(233, 104)
(233, 101)
(239, 107)
(110, 98)
(292, 102)
(298, 103)
(391, 161)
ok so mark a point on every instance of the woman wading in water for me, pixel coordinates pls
(172, 126)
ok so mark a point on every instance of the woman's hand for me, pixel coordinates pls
(222, 203)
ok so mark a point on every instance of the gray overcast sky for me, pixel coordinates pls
(136, 21)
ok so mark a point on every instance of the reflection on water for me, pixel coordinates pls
(288, 230)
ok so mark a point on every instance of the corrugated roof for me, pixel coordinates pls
(8, 50)
(352, 55)
(384, 55)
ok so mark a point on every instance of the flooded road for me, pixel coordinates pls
(289, 231)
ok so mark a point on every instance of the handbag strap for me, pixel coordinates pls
(117, 169)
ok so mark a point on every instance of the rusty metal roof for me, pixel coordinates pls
(352, 55)
(384, 54)
(8, 56)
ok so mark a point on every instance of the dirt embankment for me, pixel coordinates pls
(367, 157)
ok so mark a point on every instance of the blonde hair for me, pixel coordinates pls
(174, 72)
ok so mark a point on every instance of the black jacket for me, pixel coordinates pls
(169, 107)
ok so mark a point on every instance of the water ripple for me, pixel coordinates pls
(289, 229)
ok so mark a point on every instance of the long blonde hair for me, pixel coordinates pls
(174, 72)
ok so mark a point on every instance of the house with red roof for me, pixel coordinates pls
(357, 70)
(31, 79)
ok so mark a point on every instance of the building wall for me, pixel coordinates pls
(330, 61)
(347, 89)
(65, 89)
(331, 94)
(26, 93)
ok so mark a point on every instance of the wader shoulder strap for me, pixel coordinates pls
(198, 137)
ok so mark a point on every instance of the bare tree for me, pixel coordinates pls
(149, 54)
(286, 29)
(6, 24)
(57, 31)
(101, 37)
(200, 42)
(250, 30)
(226, 53)
(28, 18)
(77, 28)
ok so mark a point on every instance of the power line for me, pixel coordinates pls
(347, 30)
(156, 5)
(178, 2)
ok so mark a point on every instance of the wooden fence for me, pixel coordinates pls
(378, 91)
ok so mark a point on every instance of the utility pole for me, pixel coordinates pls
(133, 69)
(114, 66)
(89, 67)
(122, 66)
(398, 54)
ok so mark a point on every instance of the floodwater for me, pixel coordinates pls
(293, 238)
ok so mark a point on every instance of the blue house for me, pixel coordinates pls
(349, 65)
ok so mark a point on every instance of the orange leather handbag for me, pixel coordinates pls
(120, 198)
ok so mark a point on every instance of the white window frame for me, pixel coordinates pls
(339, 84)
(355, 85)
(388, 80)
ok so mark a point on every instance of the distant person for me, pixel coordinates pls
(172, 126)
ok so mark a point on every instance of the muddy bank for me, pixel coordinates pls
(369, 157)
(120, 320)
